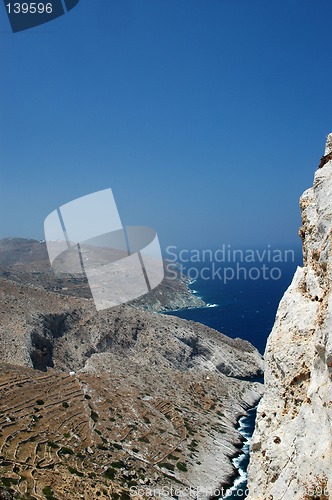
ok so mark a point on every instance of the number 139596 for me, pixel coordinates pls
(29, 8)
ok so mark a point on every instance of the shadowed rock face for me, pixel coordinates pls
(149, 404)
(41, 354)
(291, 452)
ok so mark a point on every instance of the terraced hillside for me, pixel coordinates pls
(90, 436)
(61, 440)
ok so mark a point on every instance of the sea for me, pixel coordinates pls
(241, 304)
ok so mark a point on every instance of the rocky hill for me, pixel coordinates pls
(25, 260)
(115, 403)
(291, 452)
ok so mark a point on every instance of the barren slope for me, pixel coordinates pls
(154, 401)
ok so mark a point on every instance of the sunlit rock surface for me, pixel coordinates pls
(292, 444)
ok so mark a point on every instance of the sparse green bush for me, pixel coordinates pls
(52, 445)
(8, 481)
(144, 439)
(110, 473)
(48, 493)
(65, 451)
(101, 447)
(94, 416)
(182, 466)
(167, 465)
(118, 464)
(72, 470)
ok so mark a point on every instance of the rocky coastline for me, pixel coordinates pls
(144, 401)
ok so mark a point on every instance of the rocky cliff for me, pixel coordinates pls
(291, 450)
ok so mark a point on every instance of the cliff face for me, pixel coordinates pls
(291, 450)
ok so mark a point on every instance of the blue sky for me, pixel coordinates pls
(207, 118)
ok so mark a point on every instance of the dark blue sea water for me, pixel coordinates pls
(244, 308)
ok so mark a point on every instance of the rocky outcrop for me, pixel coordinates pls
(291, 450)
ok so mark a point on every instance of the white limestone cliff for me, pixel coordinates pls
(291, 450)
